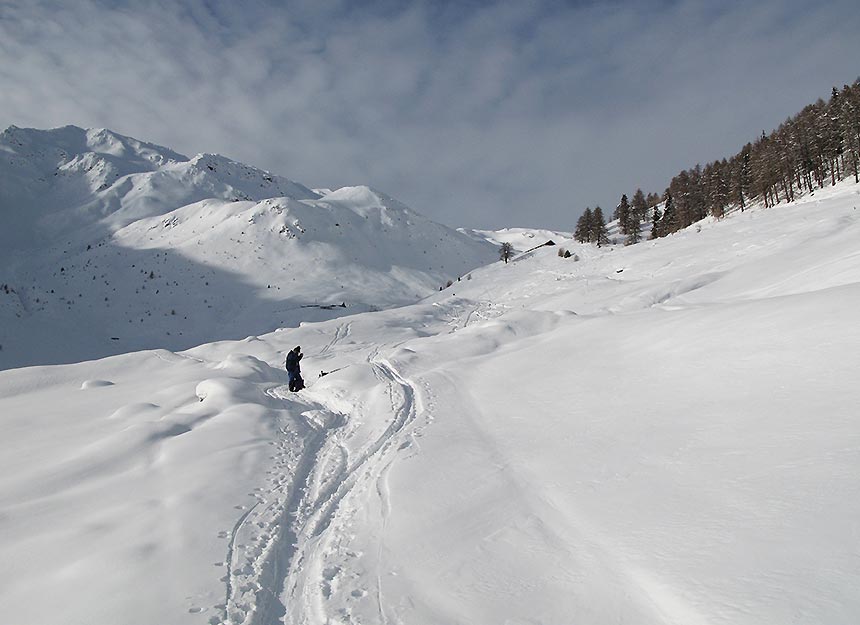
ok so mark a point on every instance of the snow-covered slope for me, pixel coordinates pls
(521, 239)
(657, 434)
(111, 245)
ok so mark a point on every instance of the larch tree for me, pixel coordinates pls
(656, 216)
(815, 148)
(669, 221)
(622, 213)
(584, 227)
(600, 234)
(640, 205)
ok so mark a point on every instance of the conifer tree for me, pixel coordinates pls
(653, 199)
(599, 232)
(633, 234)
(640, 205)
(743, 175)
(849, 126)
(656, 216)
(583, 227)
(717, 181)
(833, 138)
(669, 222)
(817, 147)
(622, 214)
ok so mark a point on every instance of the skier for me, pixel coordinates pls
(294, 370)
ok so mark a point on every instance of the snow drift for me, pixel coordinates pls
(657, 434)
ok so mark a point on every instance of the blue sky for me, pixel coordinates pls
(478, 114)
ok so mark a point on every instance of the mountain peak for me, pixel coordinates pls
(113, 244)
(71, 140)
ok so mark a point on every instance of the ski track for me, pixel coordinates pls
(305, 517)
(276, 569)
(318, 524)
(231, 552)
(341, 333)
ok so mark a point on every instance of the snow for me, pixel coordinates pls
(114, 245)
(663, 433)
(521, 239)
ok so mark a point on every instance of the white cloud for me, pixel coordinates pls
(501, 114)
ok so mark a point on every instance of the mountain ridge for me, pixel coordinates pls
(106, 233)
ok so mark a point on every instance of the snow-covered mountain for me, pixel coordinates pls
(110, 244)
(658, 434)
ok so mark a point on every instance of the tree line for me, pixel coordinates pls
(817, 147)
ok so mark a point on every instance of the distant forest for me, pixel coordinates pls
(818, 146)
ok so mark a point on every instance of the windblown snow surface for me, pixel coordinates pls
(659, 434)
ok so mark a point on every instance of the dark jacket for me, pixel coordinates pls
(293, 358)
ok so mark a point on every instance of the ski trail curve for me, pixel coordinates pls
(279, 565)
(315, 519)
(257, 563)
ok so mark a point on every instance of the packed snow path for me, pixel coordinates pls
(334, 475)
(279, 552)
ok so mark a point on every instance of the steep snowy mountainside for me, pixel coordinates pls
(77, 185)
(112, 245)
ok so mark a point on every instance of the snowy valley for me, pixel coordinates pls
(664, 433)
